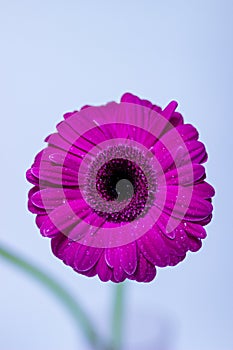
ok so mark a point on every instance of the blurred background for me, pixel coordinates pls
(59, 55)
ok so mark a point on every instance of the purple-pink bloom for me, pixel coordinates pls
(120, 189)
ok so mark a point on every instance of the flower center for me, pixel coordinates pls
(123, 187)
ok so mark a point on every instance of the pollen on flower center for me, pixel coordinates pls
(123, 187)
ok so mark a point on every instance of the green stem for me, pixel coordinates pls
(117, 318)
(59, 291)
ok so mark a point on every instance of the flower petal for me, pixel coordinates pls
(90, 273)
(73, 137)
(64, 217)
(169, 109)
(176, 259)
(104, 271)
(31, 178)
(181, 203)
(69, 114)
(145, 272)
(196, 152)
(185, 175)
(130, 98)
(129, 258)
(58, 175)
(188, 132)
(113, 258)
(194, 230)
(204, 190)
(51, 198)
(86, 257)
(153, 248)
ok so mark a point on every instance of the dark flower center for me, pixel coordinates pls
(122, 180)
(120, 190)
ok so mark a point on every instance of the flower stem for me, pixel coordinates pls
(80, 317)
(117, 317)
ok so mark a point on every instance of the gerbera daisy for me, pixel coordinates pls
(120, 189)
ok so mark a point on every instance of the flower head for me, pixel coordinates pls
(120, 189)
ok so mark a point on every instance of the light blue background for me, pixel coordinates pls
(59, 55)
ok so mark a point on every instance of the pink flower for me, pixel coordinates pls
(120, 189)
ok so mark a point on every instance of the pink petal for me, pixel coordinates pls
(196, 152)
(73, 137)
(81, 258)
(112, 257)
(69, 253)
(179, 244)
(126, 256)
(169, 109)
(194, 244)
(188, 132)
(31, 178)
(176, 119)
(63, 217)
(58, 175)
(153, 248)
(57, 141)
(130, 98)
(69, 114)
(51, 198)
(163, 156)
(84, 107)
(87, 227)
(86, 257)
(129, 258)
(33, 209)
(90, 273)
(59, 245)
(57, 156)
(176, 259)
(40, 219)
(205, 221)
(187, 174)
(146, 271)
(186, 205)
(195, 230)
(103, 270)
(65, 159)
(171, 149)
(204, 190)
